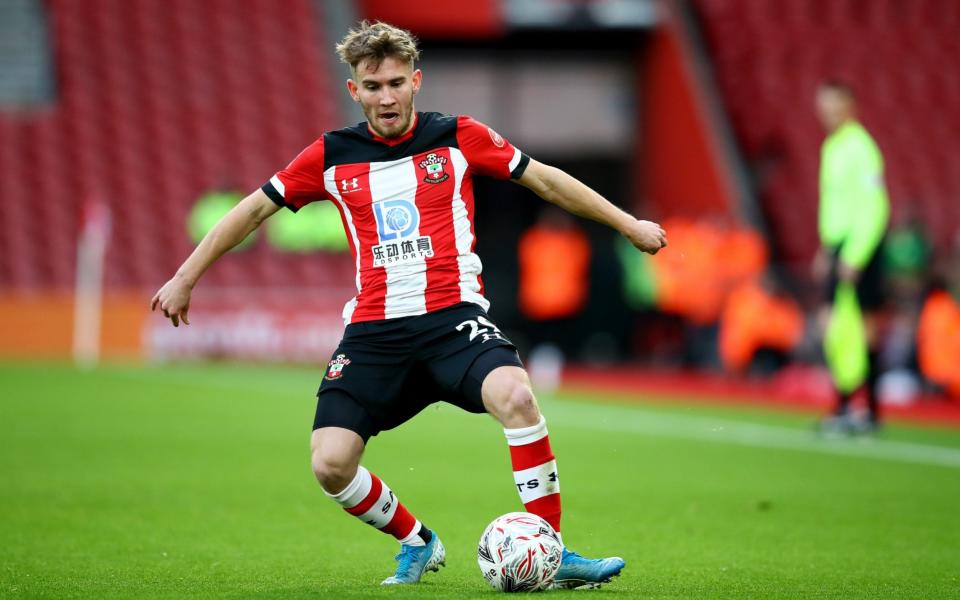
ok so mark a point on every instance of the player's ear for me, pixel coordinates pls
(417, 80)
(354, 89)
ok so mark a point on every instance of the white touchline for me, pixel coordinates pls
(603, 417)
(752, 434)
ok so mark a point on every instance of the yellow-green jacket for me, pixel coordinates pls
(854, 208)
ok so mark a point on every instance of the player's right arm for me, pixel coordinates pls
(174, 297)
(300, 183)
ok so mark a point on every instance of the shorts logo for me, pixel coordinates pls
(335, 367)
(433, 164)
(498, 140)
(395, 219)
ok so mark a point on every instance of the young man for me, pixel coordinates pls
(417, 330)
(853, 215)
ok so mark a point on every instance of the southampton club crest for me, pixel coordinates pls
(434, 166)
(335, 367)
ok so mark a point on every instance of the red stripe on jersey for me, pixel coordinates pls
(401, 525)
(547, 508)
(376, 486)
(531, 455)
(436, 181)
(466, 192)
(353, 183)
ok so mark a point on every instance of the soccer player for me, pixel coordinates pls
(853, 216)
(417, 331)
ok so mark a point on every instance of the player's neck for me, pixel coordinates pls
(844, 123)
(393, 141)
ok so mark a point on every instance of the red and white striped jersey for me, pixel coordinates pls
(407, 208)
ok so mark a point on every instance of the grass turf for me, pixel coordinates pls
(194, 481)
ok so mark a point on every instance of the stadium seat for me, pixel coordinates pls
(157, 103)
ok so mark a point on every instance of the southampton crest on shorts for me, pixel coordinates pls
(433, 164)
(335, 367)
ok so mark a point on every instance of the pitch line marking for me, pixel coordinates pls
(765, 436)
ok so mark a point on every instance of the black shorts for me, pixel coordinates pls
(870, 285)
(385, 372)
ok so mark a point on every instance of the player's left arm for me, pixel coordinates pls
(572, 195)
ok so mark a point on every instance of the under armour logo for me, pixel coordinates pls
(349, 185)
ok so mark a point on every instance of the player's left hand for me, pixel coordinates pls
(646, 236)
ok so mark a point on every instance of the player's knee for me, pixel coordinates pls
(520, 401)
(332, 472)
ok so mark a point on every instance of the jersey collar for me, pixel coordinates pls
(397, 140)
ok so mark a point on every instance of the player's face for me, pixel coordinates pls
(385, 93)
(833, 108)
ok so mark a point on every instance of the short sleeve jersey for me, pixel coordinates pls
(407, 208)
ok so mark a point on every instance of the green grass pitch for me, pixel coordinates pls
(194, 481)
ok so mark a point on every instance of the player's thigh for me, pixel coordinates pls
(464, 347)
(338, 410)
(362, 386)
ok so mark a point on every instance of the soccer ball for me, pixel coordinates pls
(519, 552)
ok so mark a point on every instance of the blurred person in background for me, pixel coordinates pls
(853, 214)
(209, 208)
(554, 260)
(417, 331)
(938, 330)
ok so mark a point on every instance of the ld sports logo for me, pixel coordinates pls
(397, 220)
(335, 367)
(433, 165)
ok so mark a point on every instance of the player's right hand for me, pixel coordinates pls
(174, 300)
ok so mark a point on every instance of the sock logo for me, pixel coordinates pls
(532, 484)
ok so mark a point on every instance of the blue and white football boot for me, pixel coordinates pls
(577, 572)
(415, 560)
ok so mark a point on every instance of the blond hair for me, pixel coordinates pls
(376, 41)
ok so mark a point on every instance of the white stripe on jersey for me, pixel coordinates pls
(406, 282)
(330, 182)
(278, 185)
(467, 261)
(517, 155)
(470, 268)
(461, 221)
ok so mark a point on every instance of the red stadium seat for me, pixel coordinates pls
(157, 103)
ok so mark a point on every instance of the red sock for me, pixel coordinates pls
(535, 471)
(371, 501)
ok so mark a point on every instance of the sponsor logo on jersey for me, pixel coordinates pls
(433, 165)
(403, 251)
(349, 185)
(396, 219)
(498, 140)
(335, 367)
